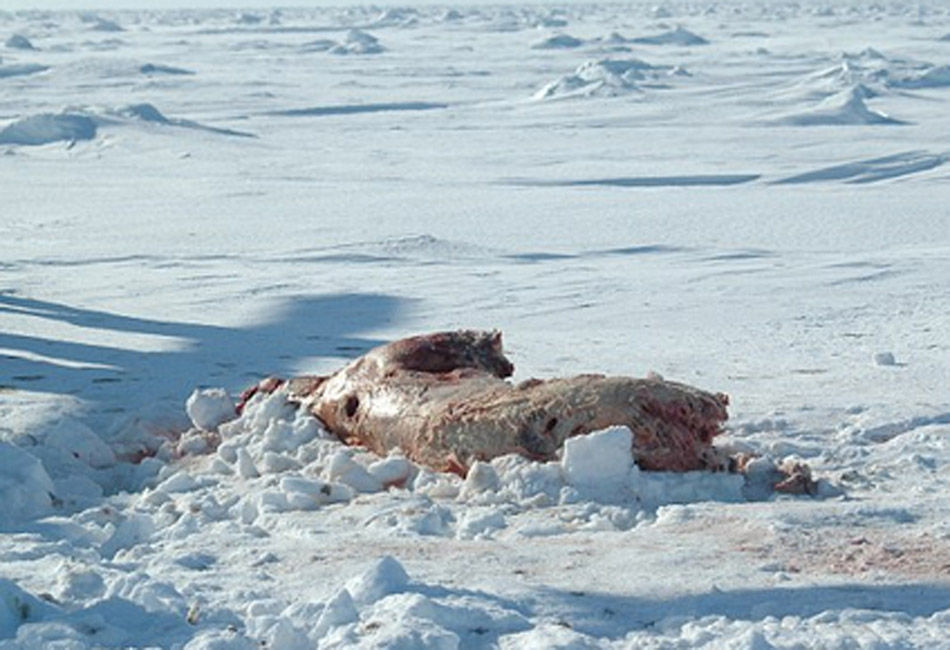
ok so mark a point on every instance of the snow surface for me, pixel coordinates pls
(748, 197)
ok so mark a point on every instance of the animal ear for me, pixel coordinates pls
(496, 339)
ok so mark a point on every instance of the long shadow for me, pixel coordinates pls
(603, 615)
(112, 379)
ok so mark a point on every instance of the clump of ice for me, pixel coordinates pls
(558, 42)
(48, 127)
(19, 42)
(679, 36)
(106, 25)
(600, 465)
(358, 42)
(386, 576)
(209, 407)
(884, 359)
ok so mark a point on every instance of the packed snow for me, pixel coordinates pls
(746, 197)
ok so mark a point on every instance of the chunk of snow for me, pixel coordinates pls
(884, 359)
(209, 407)
(481, 477)
(386, 576)
(345, 470)
(19, 42)
(479, 525)
(245, 464)
(600, 462)
(340, 610)
(558, 42)
(394, 470)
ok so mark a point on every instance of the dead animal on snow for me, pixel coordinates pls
(443, 399)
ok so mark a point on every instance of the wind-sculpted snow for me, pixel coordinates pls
(19, 42)
(679, 36)
(21, 69)
(608, 78)
(847, 108)
(47, 128)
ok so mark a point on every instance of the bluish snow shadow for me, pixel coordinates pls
(701, 180)
(117, 379)
(600, 614)
(352, 109)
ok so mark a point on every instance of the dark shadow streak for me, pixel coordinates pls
(351, 109)
(231, 357)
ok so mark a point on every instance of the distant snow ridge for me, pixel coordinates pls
(149, 113)
(358, 42)
(841, 109)
(679, 36)
(878, 74)
(19, 42)
(21, 69)
(396, 17)
(558, 42)
(153, 68)
(48, 127)
(106, 25)
(606, 78)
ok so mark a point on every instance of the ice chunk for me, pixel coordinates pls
(474, 525)
(600, 462)
(481, 477)
(386, 576)
(885, 359)
(340, 610)
(209, 407)
(344, 469)
(19, 42)
(391, 471)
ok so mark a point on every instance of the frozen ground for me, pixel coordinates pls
(748, 197)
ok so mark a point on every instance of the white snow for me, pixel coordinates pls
(746, 227)
(207, 408)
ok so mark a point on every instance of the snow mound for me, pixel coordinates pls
(396, 17)
(357, 42)
(26, 490)
(392, 612)
(21, 69)
(150, 114)
(877, 73)
(846, 108)
(153, 68)
(48, 127)
(386, 576)
(19, 42)
(605, 78)
(679, 36)
(144, 112)
(558, 42)
(106, 25)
